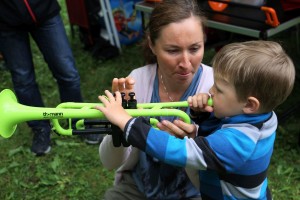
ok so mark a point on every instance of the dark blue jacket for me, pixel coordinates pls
(26, 14)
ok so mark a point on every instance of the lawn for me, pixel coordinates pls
(73, 170)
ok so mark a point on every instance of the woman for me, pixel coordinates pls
(174, 50)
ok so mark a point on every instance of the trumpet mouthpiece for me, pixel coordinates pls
(210, 102)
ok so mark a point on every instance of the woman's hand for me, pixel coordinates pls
(178, 128)
(125, 85)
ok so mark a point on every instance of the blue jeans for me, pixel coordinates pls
(53, 43)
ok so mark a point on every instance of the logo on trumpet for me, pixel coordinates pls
(53, 114)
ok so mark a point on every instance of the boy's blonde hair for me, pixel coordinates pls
(256, 68)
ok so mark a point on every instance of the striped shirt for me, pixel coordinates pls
(232, 160)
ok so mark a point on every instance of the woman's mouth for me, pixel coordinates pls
(183, 75)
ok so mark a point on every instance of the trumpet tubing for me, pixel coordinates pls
(13, 113)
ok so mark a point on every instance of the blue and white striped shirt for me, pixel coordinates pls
(232, 160)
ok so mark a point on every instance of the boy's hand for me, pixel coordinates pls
(178, 128)
(113, 109)
(199, 103)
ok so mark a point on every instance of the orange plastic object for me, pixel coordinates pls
(216, 6)
(271, 15)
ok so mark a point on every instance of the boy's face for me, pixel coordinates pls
(225, 100)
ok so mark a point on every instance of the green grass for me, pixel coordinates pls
(73, 170)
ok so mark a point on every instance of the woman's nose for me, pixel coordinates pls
(185, 60)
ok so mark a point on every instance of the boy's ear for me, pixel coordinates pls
(252, 105)
(151, 45)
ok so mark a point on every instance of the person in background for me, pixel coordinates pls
(41, 21)
(236, 136)
(174, 49)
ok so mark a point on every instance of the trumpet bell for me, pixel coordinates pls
(7, 127)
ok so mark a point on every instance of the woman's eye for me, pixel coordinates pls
(172, 51)
(194, 49)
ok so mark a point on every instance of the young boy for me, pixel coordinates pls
(236, 136)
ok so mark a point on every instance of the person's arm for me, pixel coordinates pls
(226, 149)
(194, 153)
(139, 133)
(113, 110)
(186, 152)
(113, 157)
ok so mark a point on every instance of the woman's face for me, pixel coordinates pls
(179, 49)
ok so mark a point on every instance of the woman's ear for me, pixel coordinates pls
(252, 106)
(151, 46)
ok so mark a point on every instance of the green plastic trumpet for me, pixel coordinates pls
(13, 113)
